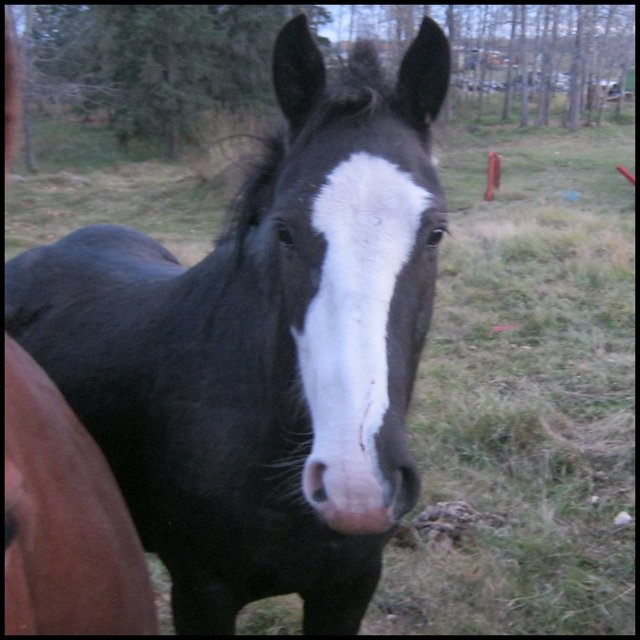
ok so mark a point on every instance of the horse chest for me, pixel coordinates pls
(282, 552)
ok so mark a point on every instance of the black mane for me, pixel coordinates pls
(256, 193)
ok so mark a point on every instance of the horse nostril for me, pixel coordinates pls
(407, 491)
(320, 495)
(316, 486)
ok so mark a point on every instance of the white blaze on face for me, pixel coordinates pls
(369, 213)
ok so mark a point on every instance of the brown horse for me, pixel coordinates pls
(73, 562)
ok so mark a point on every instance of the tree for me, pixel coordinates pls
(171, 62)
(574, 96)
(524, 68)
(625, 21)
(58, 65)
(591, 63)
(544, 88)
(155, 56)
(24, 47)
(508, 96)
(154, 70)
(453, 35)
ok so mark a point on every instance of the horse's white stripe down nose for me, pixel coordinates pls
(369, 213)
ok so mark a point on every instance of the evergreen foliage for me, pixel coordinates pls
(153, 69)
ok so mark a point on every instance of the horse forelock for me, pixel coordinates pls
(360, 92)
(364, 65)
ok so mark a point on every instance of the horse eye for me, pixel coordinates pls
(284, 235)
(435, 237)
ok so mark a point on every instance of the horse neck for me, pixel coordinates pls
(236, 304)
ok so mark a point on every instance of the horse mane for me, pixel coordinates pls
(255, 196)
(360, 91)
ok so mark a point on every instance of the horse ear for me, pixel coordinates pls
(424, 75)
(298, 71)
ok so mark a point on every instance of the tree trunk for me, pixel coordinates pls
(575, 84)
(448, 110)
(591, 67)
(481, 67)
(552, 54)
(174, 134)
(27, 90)
(524, 103)
(508, 94)
(542, 118)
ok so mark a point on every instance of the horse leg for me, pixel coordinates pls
(339, 609)
(203, 608)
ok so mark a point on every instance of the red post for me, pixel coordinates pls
(627, 174)
(493, 175)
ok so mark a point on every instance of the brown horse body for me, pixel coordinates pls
(73, 564)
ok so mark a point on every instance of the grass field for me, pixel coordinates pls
(524, 407)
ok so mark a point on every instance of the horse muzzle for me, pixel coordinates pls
(353, 502)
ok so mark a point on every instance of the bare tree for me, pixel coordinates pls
(534, 42)
(25, 48)
(452, 32)
(575, 82)
(524, 68)
(591, 63)
(627, 38)
(58, 71)
(481, 62)
(508, 96)
(604, 63)
(555, 22)
(542, 117)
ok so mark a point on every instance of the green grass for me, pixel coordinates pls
(80, 147)
(534, 421)
(531, 422)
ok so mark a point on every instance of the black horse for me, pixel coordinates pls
(252, 407)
